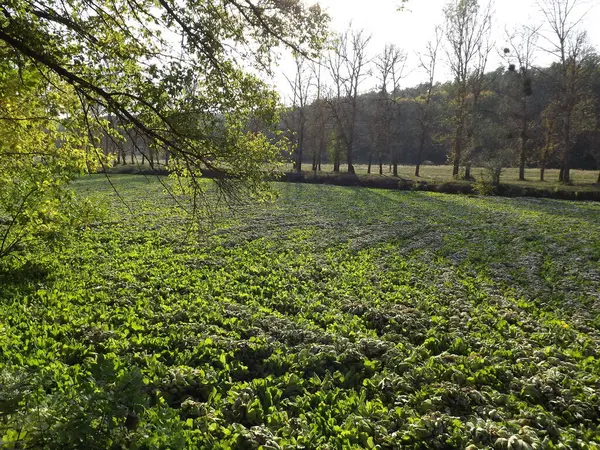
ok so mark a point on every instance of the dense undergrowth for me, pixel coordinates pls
(335, 318)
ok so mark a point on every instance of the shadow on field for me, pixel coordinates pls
(488, 226)
(21, 280)
(447, 187)
(560, 210)
(455, 207)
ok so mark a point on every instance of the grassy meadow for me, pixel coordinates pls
(332, 318)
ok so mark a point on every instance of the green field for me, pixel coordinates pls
(334, 318)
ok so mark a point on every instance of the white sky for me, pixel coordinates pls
(412, 29)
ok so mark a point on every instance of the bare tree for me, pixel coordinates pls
(318, 117)
(520, 53)
(370, 134)
(347, 64)
(427, 62)
(389, 66)
(468, 28)
(398, 72)
(550, 125)
(300, 86)
(569, 45)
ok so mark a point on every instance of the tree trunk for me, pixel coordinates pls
(314, 157)
(566, 175)
(565, 169)
(561, 174)
(381, 164)
(349, 158)
(456, 164)
(468, 172)
(457, 150)
(524, 138)
(321, 151)
(370, 160)
(420, 153)
(496, 176)
(299, 150)
(543, 162)
(598, 180)
(395, 163)
(522, 165)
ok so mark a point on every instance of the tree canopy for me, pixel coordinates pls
(184, 75)
(163, 67)
(41, 149)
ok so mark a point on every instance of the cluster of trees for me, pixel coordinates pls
(517, 115)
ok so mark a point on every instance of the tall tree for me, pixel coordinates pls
(594, 148)
(428, 63)
(318, 117)
(300, 87)
(389, 69)
(570, 47)
(496, 134)
(468, 27)
(550, 122)
(520, 53)
(347, 64)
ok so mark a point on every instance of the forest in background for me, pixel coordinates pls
(518, 115)
(405, 108)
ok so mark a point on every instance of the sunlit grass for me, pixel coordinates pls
(580, 178)
(332, 317)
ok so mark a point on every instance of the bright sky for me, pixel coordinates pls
(412, 29)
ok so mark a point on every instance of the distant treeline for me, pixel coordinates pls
(496, 133)
(513, 119)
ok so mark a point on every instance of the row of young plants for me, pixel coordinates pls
(332, 318)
